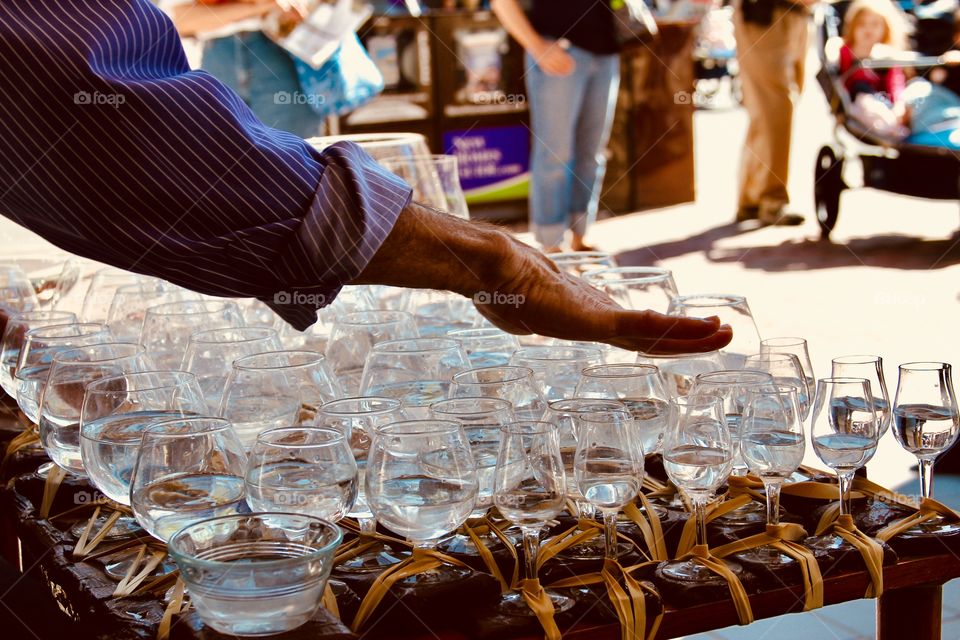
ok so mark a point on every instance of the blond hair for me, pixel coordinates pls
(897, 26)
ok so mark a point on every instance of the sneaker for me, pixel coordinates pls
(748, 213)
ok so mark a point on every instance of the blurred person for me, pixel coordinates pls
(239, 54)
(572, 75)
(116, 150)
(771, 51)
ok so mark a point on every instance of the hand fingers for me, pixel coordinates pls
(670, 346)
(650, 324)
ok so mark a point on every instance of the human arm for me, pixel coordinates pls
(549, 56)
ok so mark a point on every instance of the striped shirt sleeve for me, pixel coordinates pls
(116, 150)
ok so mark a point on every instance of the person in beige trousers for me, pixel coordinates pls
(771, 58)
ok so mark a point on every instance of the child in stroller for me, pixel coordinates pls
(919, 111)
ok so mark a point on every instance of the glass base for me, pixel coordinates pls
(513, 604)
(826, 543)
(750, 513)
(375, 560)
(932, 529)
(442, 575)
(44, 469)
(767, 555)
(124, 527)
(690, 571)
(463, 544)
(117, 566)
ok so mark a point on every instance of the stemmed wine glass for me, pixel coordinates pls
(353, 337)
(187, 470)
(167, 327)
(636, 287)
(698, 456)
(358, 419)
(528, 491)
(679, 371)
(579, 263)
(608, 467)
(557, 369)
(61, 401)
(926, 423)
(18, 325)
(870, 368)
(797, 347)
(785, 368)
(113, 417)
(844, 429)
(210, 355)
(732, 310)
(421, 484)
(102, 289)
(486, 346)
(50, 278)
(773, 445)
(130, 303)
(513, 384)
(417, 372)
(276, 389)
(640, 388)
(16, 292)
(305, 470)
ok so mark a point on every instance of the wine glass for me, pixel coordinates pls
(437, 313)
(844, 429)
(798, 347)
(39, 348)
(114, 414)
(732, 310)
(417, 372)
(785, 369)
(421, 484)
(210, 356)
(640, 388)
(358, 419)
(14, 335)
(187, 470)
(513, 384)
(168, 327)
(926, 423)
(608, 467)
(579, 263)
(773, 445)
(529, 491)
(130, 303)
(276, 389)
(557, 369)
(353, 337)
(636, 287)
(16, 293)
(305, 470)
(680, 370)
(103, 287)
(61, 401)
(698, 456)
(486, 346)
(435, 180)
(871, 368)
(50, 278)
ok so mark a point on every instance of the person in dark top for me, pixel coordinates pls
(572, 76)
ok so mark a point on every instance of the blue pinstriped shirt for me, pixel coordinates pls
(115, 150)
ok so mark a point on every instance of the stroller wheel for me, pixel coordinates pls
(828, 185)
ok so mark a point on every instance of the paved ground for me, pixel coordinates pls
(888, 284)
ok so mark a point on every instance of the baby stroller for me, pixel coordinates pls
(859, 156)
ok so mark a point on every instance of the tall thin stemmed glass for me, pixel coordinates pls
(608, 467)
(871, 368)
(785, 369)
(773, 445)
(529, 490)
(698, 456)
(926, 423)
(797, 347)
(844, 429)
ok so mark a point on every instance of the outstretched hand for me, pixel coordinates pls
(542, 299)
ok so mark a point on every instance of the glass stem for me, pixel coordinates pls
(585, 510)
(610, 534)
(700, 513)
(368, 526)
(926, 477)
(772, 489)
(845, 479)
(531, 546)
